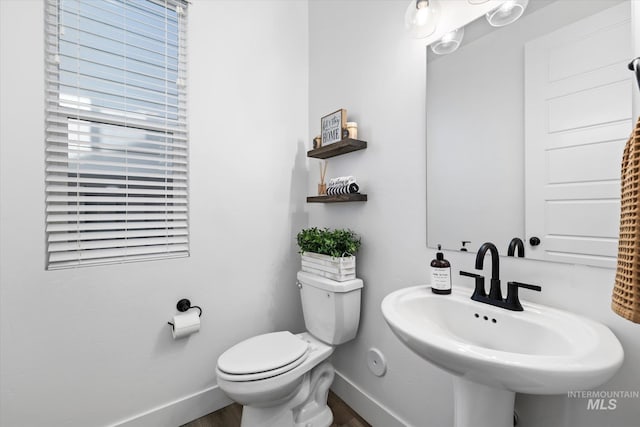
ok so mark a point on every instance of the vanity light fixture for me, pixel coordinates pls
(421, 18)
(448, 43)
(507, 13)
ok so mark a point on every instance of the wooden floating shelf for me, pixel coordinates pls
(337, 148)
(352, 197)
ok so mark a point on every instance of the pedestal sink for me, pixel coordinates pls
(494, 353)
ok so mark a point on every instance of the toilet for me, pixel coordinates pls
(283, 379)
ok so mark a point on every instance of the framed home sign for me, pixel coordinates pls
(332, 126)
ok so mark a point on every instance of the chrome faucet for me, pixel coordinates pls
(512, 301)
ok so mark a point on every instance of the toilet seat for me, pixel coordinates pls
(263, 356)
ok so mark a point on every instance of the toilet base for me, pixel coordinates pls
(306, 408)
(322, 419)
(276, 417)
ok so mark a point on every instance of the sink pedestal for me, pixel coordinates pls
(478, 405)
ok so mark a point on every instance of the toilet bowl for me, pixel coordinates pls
(283, 379)
(287, 391)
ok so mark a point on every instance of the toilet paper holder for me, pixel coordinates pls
(184, 305)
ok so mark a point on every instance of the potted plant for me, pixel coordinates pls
(329, 253)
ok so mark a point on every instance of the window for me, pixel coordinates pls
(116, 134)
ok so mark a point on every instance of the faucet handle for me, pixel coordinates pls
(525, 285)
(512, 294)
(464, 273)
(479, 289)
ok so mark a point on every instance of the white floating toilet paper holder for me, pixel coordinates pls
(184, 305)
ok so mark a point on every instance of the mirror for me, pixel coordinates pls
(476, 118)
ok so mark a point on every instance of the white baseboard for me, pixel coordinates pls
(188, 408)
(180, 411)
(366, 406)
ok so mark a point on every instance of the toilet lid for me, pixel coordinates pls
(262, 353)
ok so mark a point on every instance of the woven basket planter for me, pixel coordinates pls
(335, 268)
(626, 291)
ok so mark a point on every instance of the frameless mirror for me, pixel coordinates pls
(477, 117)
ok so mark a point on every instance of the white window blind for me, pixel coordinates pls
(116, 133)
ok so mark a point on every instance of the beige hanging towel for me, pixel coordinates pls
(626, 291)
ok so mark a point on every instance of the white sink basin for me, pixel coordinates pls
(540, 350)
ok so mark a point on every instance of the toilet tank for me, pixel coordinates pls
(331, 309)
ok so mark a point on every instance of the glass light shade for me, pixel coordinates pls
(421, 18)
(448, 43)
(477, 1)
(507, 12)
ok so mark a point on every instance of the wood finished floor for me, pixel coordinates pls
(343, 416)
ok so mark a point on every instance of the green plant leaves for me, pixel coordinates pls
(336, 243)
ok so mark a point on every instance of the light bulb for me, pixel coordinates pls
(448, 43)
(421, 18)
(507, 13)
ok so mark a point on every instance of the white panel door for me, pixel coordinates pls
(578, 96)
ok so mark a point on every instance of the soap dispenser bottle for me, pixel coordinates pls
(440, 274)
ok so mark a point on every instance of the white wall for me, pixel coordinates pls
(361, 59)
(635, 43)
(91, 346)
